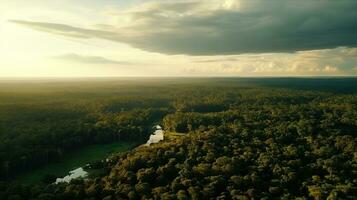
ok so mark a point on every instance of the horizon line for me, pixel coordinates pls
(183, 76)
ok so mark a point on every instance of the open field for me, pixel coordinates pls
(78, 158)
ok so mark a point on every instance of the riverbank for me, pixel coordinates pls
(75, 160)
(72, 165)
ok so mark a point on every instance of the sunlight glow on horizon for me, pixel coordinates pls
(28, 52)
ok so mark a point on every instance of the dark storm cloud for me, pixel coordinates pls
(256, 26)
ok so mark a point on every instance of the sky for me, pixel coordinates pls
(109, 38)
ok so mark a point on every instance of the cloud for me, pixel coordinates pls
(225, 27)
(235, 58)
(262, 68)
(329, 68)
(62, 29)
(90, 59)
(338, 61)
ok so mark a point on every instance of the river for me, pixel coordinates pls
(155, 137)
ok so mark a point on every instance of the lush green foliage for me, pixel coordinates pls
(244, 140)
(42, 125)
(81, 157)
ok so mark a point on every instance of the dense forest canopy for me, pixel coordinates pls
(225, 138)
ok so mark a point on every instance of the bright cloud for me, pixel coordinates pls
(179, 37)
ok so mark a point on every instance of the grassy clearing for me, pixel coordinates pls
(76, 159)
(173, 135)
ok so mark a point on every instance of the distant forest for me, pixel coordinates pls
(225, 138)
